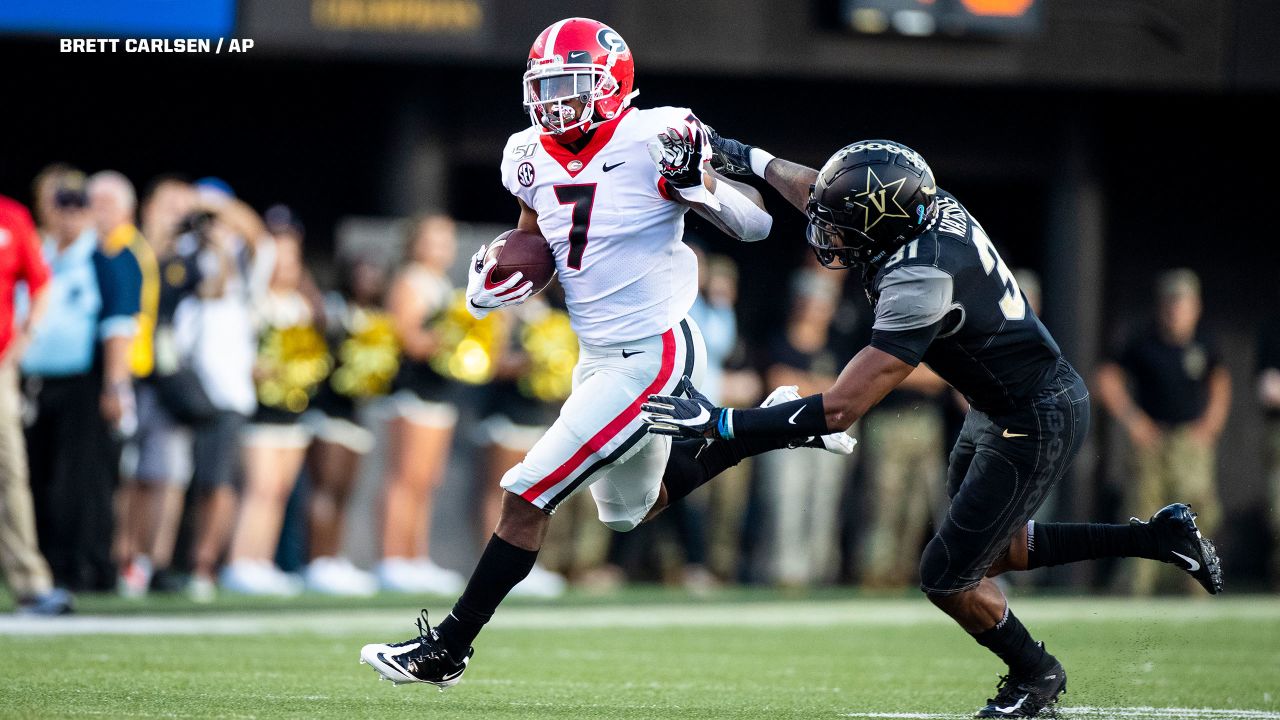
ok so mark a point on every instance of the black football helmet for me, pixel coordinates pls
(871, 198)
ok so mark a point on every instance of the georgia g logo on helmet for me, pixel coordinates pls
(871, 197)
(610, 40)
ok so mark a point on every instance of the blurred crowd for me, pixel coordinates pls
(182, 402)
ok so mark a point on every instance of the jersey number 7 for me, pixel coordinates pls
(583, 198)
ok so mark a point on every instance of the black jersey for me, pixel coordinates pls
(947, 298)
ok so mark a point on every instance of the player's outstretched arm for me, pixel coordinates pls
(791, 180)
(682, 157)
(863, 383)
(868, 377)
(712, 181)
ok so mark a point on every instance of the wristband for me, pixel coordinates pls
(724, 426)
(759, 160)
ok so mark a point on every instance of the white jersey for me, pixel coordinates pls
(616, 237)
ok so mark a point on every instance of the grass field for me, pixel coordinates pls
(647, 654)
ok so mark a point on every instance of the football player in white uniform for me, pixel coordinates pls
(607, 185)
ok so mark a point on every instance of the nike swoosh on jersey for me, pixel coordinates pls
(792, 419)
(607, 167)
(628, 353)
(1008, 434)
(1192, 565)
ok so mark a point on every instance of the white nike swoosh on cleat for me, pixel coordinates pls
(1193, 565)
(1014, 706)
(792, 419)
(387, 669)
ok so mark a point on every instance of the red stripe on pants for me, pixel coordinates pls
(610, 431)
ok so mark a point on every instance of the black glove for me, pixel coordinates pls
(678, 155)
(728, 157)
(692, 416)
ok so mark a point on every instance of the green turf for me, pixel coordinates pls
(846, 657)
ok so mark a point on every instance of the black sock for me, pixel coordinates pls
(694, 462)
(1011, 642)
(1061, 543)
(501, 567)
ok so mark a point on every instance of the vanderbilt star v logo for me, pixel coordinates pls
(876, 201)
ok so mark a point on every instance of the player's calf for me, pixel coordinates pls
(1170, 536)
(1035, 677)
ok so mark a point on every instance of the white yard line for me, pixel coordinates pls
(756, 615)
(1070, 713)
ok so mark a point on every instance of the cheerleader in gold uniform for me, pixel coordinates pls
(292, 361)
(422, 431)
(366, 356)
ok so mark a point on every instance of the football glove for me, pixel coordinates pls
(728, 157)
(691, 416)
(679, 154)
(483, 296)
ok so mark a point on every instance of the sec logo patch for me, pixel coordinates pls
(525, 174)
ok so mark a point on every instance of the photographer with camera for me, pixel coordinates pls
(213, 334)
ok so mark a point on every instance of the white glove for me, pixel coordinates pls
(483, 297)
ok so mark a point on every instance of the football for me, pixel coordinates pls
(525, 252)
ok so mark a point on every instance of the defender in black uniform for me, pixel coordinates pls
(943, 295)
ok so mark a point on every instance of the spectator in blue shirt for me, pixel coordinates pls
(92, 302)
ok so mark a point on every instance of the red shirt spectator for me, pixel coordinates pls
(20, 259)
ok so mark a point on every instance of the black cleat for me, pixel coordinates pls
(1179, 542)
(1026, 697)
(422, 659)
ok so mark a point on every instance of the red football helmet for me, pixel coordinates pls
(577, 59)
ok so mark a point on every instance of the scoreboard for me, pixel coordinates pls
(942, 17)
